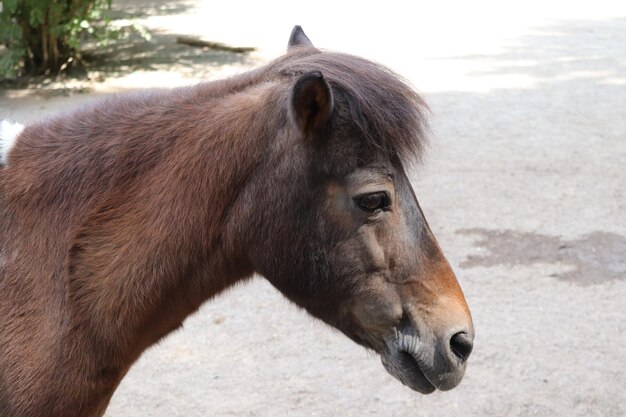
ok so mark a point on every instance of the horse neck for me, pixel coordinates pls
(185, 208)
(146, 228)
(205, 175)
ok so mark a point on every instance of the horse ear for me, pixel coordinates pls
(298, 38)
(311, 102)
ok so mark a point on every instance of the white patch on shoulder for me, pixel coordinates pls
(8, 133)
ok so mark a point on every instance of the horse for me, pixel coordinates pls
(119, 219)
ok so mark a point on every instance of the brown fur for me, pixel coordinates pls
(119, 220)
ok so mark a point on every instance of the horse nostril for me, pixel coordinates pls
(461, 345)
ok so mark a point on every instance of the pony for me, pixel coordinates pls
(118, 220)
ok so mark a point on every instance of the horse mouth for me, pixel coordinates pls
(405, 367)
(401, 358)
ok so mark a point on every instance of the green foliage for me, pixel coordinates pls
(44, 36)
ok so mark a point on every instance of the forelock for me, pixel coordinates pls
(384, 108)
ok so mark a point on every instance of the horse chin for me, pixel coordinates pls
(401, 360)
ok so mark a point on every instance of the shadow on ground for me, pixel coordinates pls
(160, 52)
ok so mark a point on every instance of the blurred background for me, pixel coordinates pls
(524, 185)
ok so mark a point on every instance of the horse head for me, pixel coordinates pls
(333, 222)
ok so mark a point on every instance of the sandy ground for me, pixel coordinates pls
(524, 185)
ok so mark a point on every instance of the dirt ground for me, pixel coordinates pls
(524, 185)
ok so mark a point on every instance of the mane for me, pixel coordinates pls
(387, 111)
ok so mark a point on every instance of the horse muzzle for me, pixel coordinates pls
(426, 358)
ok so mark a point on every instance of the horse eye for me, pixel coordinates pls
(373, 202)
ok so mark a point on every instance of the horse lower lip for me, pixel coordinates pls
(417, 372)
(404, 367)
